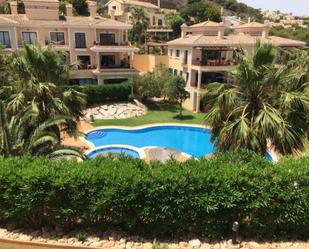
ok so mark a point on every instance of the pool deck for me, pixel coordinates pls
(79, 142)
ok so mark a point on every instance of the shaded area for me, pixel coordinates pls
(164, 154)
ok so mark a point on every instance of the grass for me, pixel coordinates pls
(162, 112)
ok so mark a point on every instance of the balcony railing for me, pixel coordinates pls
(56, 43)
(101, 43)
(215, 63)
(116, 66)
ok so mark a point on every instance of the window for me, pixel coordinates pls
(5, 39)
(114, 7)
(171, 52)
(108, 61)
(107, 39)
(29, 37)
(80, 40)
(57, 38)
(175, 72)
(160, 22)
(180, 73)
(177, 53)
(185, 59)
(84, 60)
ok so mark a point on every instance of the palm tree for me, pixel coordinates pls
(140, 23)
(40, 64)
(34, 68)
(17, 140)
(265, 103)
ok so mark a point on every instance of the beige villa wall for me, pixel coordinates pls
(145, 63)
(119, 8)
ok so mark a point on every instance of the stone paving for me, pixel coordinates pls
(115, 111)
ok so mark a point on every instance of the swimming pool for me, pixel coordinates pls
(194, 141)
(106, 150)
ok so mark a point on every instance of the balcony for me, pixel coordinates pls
(112, 43)
(214, 65)
(58, 45)
(123, 47)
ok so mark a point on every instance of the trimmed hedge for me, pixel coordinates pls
(97, 94)
(200, 197)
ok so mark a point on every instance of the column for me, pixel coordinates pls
(95, 35)
(16, 38)
(131, 59)
(70, 45)
(98, 61)
(199, 79)
(189, 78)
(198, 102)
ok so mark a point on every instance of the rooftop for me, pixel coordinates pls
(137, 3)
(233, 40)
(68, 21)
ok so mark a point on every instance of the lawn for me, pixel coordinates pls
(162, 112)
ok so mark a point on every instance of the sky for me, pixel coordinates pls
(297, 7)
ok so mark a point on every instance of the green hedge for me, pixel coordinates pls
(97, 94)
(197, 197)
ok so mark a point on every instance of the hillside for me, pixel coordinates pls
(231, 7)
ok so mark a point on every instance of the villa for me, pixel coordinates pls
(203, 54)
(121, 10)
(100, 44)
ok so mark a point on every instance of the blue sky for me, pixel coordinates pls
(297, 7)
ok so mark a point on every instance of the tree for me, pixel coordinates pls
(80, 7)
(200, 11)
(17, 140)
(264, 104)
(174, 22)
(34, 69)
(140, 23)
(152, 84)
(40, 64)
(176, 91)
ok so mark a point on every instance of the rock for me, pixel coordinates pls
(147, 245)
(195, 243)
(97, 244)
(253, 244)
(230, 245)
(183, 244)
(3, 232)
(25, 237)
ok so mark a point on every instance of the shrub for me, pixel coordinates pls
(198, 197)
(97, 94)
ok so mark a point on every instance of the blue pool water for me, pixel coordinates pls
(191, 140)
(125, 151)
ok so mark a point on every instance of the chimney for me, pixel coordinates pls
(220, 33)
(92, 7)
(69, 9)
(184, 28)
(13, 6)
(112, 14)
(222, 11)
(159, 3)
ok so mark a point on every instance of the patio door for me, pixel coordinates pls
(108, 61)
(107, 39)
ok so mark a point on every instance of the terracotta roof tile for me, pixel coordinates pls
(206, 24)
(22, 19)
(234, 40)
(141, 3)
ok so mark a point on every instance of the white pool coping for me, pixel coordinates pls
(271, 152)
